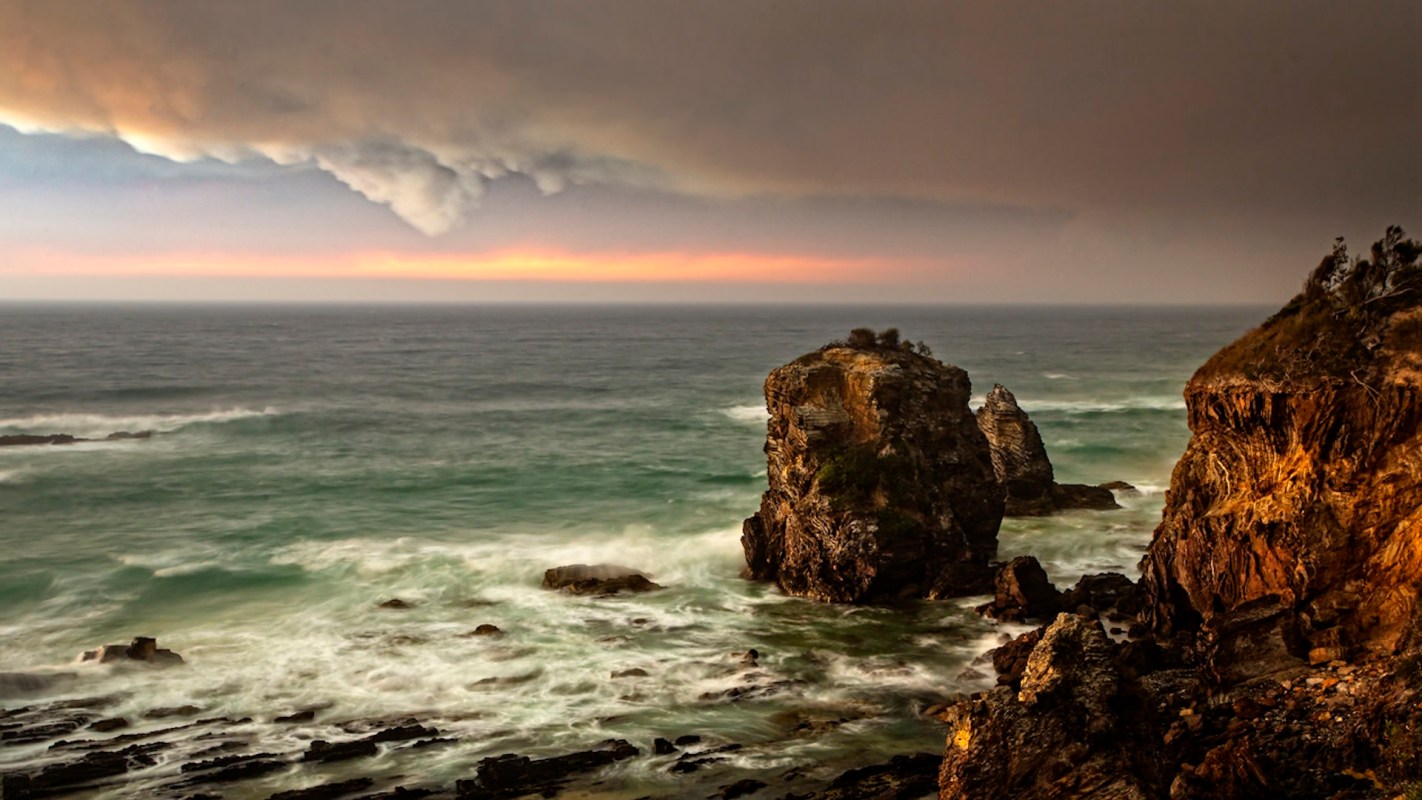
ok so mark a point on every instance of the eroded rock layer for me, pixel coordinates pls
(881, 483)
(1301, 486)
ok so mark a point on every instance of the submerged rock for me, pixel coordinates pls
(29, 439)
(597, 579)
(881, 483)
(1019, 459)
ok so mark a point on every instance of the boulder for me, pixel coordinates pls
(881, 485)
(597, 579)
(1021, 590)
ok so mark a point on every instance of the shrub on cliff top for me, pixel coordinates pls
(887, 340)
(1334, 327)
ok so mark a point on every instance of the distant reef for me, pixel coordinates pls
(1278, 647)
(24, 439)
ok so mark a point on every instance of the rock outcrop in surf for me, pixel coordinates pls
(1019, 459)
(881, 483)
(1281, 589)
(31, 439)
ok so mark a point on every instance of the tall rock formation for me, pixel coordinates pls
(1298, 502)
(881, 483)
(1020, 461)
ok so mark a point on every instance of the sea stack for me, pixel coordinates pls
(881, 483)
(1299, 498)
(1020, 461)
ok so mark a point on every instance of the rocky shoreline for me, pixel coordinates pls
(1271, 647)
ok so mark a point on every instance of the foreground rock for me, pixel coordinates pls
(1069, 731)
(510, 776)
(597, 579)
(1021, 590)
(1019, 460)
(881, 483)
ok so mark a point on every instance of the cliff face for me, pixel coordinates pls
(881, 483)
(1301, 487)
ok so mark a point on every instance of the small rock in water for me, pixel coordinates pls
(305, 715)
(109, 724)
(635, 672)
(326, 791)
(741, 788)
(487, 630)
(142, 648)
(396, 604)
(172, 711)
(597, 579)
(663, 747)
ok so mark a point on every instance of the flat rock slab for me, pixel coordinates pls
(597, 579)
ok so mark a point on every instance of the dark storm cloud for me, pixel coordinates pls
(1111, 110)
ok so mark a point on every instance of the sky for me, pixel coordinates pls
(664, 151)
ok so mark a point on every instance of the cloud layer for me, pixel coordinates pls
(1195, 110)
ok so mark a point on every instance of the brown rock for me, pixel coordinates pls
(597, 579)
(1301, 478)
(1021, 590)
(881, 483)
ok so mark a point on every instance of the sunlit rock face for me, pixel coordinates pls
(1301, 487)
(881, 483)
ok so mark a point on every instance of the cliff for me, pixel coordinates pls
(881, 484)
(1281, 653)
(1301, 487)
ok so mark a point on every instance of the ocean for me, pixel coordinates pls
(311, 463)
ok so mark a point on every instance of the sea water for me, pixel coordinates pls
(310, 463)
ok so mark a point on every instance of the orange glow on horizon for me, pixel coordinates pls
(502, 265)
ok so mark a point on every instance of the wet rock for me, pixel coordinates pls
(1022, 590)
(755, 691)
(597, 579)
(230, 769)
(306, 715)
(164, 712)
(663, 747)
(1106, 591)
(69, 775)
(510, 776)
(487, 630)
(108, 725)
(25, 439)
(881, 484)
(1067, 496)
(326, 791)
(1010, 660)
(692, 762)
(741, 788)
(1121, 488)
(635, 672)
(903, 776)
(323, 751)
(687, 740)
(396, 604)
(1069, 731)
(143, 649)
(125, 435)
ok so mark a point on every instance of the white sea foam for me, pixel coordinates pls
(80, 424)
(748, 413)
(10, 475)
(1147, 403)
(1058, 376)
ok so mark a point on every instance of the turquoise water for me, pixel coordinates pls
(310, 463)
